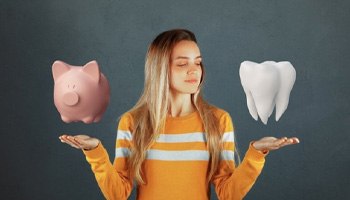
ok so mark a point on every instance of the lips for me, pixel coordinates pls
(267, 85)
(191, 81)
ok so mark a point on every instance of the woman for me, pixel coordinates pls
(172, 142)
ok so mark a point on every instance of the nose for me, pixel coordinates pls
(193, 70)
(70, 98)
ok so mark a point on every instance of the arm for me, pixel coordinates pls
(113, 180)
(233, 182)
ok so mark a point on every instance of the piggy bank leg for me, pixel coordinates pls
(88, 120)
(65, 119)
(97, 118)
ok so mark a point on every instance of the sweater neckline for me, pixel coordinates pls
(185, 117)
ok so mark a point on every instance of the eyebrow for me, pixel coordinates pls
(184, 57)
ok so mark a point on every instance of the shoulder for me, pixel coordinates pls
(219, 112)
(224, 118)
(126, 121)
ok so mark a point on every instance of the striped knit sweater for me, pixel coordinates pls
(177, 164)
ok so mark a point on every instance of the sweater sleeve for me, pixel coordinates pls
(231, 182)
(113, 180)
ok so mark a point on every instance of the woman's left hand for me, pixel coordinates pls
(271, 143)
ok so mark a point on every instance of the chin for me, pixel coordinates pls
(187, 91)
(192, 91)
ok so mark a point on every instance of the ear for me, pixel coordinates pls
(92, 69)
(59, 68)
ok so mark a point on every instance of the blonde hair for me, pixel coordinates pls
(150, 111)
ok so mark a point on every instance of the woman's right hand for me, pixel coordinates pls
(80, 141)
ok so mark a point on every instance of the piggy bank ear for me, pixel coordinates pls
(92, 70)
(59, 68)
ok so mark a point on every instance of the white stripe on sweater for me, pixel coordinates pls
(184, 155)
(176, 138)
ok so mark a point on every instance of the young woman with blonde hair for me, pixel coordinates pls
(173, 142)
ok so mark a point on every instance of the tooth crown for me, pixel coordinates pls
(266, 85)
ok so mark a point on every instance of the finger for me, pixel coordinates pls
(280, 141)
(84, 144)
(79, 141)
(63, 136)
(290, 141)
(71, 140)
(286, 144)
(64, 139)
(70, 143)
(295, 140)
(67, 141)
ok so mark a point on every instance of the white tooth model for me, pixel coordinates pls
(266, 85)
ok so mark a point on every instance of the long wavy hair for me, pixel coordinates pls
(150, 112)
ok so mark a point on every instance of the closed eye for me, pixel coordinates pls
(182, 65)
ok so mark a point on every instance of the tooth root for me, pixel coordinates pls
(251, 106)
(265, 107)
(288, 75)
(247, 67)
(272, 106)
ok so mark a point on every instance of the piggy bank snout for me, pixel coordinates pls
(70, 98)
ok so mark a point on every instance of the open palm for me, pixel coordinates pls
(80, 141)
(272, 143)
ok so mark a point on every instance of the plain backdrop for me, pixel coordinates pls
(312, 34)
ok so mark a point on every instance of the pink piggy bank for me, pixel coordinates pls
(81, 93)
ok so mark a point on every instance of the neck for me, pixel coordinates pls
(180, 104)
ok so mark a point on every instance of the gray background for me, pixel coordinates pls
(312, 35)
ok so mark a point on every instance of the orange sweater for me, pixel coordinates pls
(177, 164)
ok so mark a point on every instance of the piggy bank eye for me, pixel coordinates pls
(73, 86)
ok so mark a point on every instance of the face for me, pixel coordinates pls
(185, 68)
